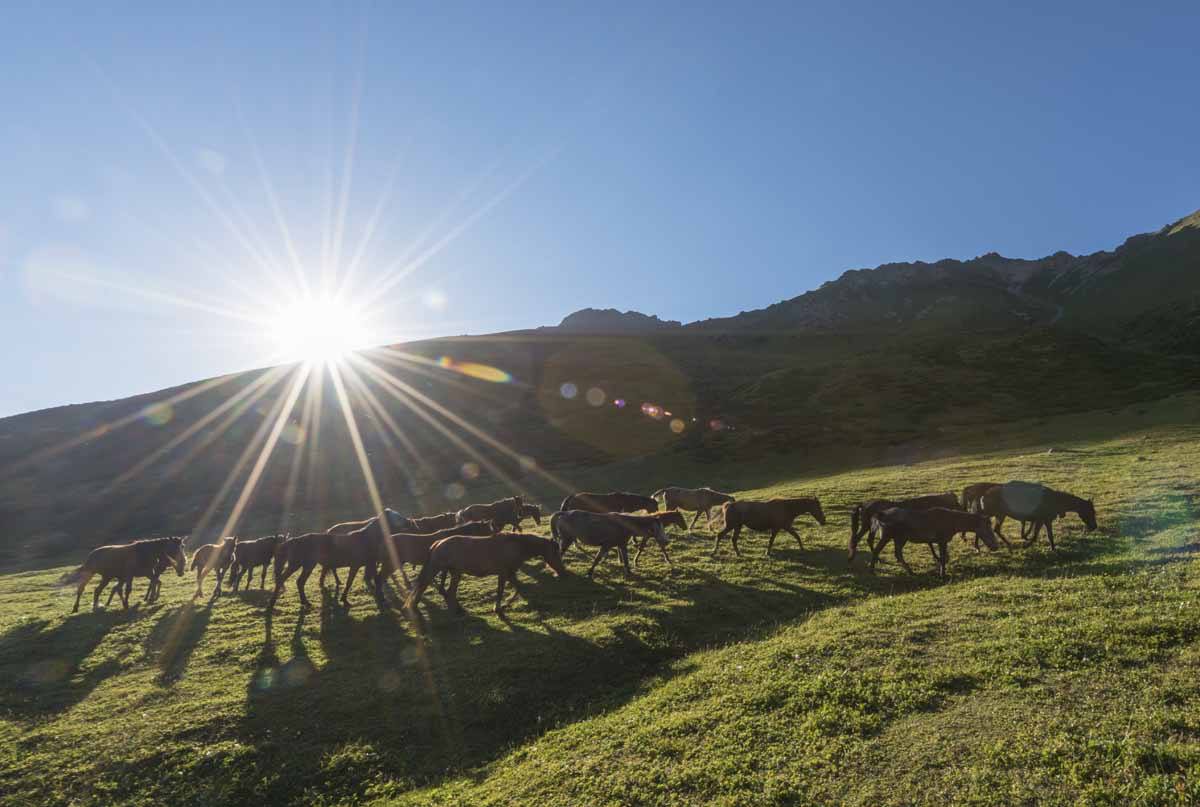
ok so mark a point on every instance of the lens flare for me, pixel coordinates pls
(159, 414)
(652, 410)
(595, 396)
(483, 372)
(677, 426)
(568, 390)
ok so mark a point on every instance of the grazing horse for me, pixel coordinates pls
(615, 502)
(533, 511)
(355, 550)
(249, 555)
(433, 523)
(213, 557)
(400, 548)
(501, 555)
(123, 562)
(1029, 501)
(769, 516)
(500, 513)
(935, 526)
(862, 516)
(606, 531)
(699, 500)
(396, 523)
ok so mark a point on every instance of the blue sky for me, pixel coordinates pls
(684, 160)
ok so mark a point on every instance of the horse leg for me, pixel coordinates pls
(220, 577)
(83, 581)
(512, 581)
(771, 541)
(694, 520)
(112, 592)
(737, 531)
(305, 571)
(717, 540)
(663, 547)
(262, 585)
(899, 544)
(500, 581)
(125, 587)
(280, 581)
(795, 535)
(641, 548)
(349, 582)
(199, 580)
(1050, 535)
(96, 594)
(451, 593)
(603, 551)
(623, 552)
(945, 561)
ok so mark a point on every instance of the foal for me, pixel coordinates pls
(212, 557)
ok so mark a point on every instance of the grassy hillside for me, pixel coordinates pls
(1024, 677)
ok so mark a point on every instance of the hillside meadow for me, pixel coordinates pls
(1025, 677)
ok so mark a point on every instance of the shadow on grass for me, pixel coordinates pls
(174, 637)
(40, 668)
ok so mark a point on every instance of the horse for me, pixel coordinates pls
(862, 516)
(249, 555)
(501, 555)
(700, 500)
(935, 526)
(433, 523)
(123, 562)
(400, 548)
(773, 515)
(396, 523)
(370, 530)
(606, 531)
(356, 550)
(1038, 504)
(152, 591)
(971, 496)
(533, 511)
(615, 502)
(213, 557)
(500, 513)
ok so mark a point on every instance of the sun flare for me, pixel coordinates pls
(318, 329)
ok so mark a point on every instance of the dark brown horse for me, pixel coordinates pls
(413, 548)
(152, 591)
(501, 513)
(433, 523)
(702, 501)
(935, 526)
(1038, 504)
(123, 562)
(862, 516)
(770, 516)
(501, 555)
(615, 502)
(213, 558)
(249, 555)
(355, 550)
(606, 531)
(533, 511)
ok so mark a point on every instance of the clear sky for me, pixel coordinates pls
(473, 168)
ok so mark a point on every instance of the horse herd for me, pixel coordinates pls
(473, 540)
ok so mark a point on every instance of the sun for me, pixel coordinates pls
(318, 329)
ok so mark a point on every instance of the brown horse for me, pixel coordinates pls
(249, 555)
(152, 591)
(700, 500)
(405, 547)
(356, 550)
(769, 516)
(500, 513)
(370, 531)
(606, 531)
(433, 523)
(396, 523)
(123, 562)
(1038, 504)
(213, 557)
(862, 516)
(501, 555)
(615, 502)
(935, 526)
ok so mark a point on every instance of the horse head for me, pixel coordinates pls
(817, 512)
(983, 530)
(534, 510)
(1087, 512)
(553, 557)
(173, 552)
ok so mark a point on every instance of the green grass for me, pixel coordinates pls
(1028, 677)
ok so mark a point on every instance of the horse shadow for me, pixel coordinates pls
(174, 637)
(40, 667)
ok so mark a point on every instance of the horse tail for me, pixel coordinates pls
(419, 585)
(554, 525)
(70, 578)
(567, 502)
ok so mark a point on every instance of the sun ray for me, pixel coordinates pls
(293, 480)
